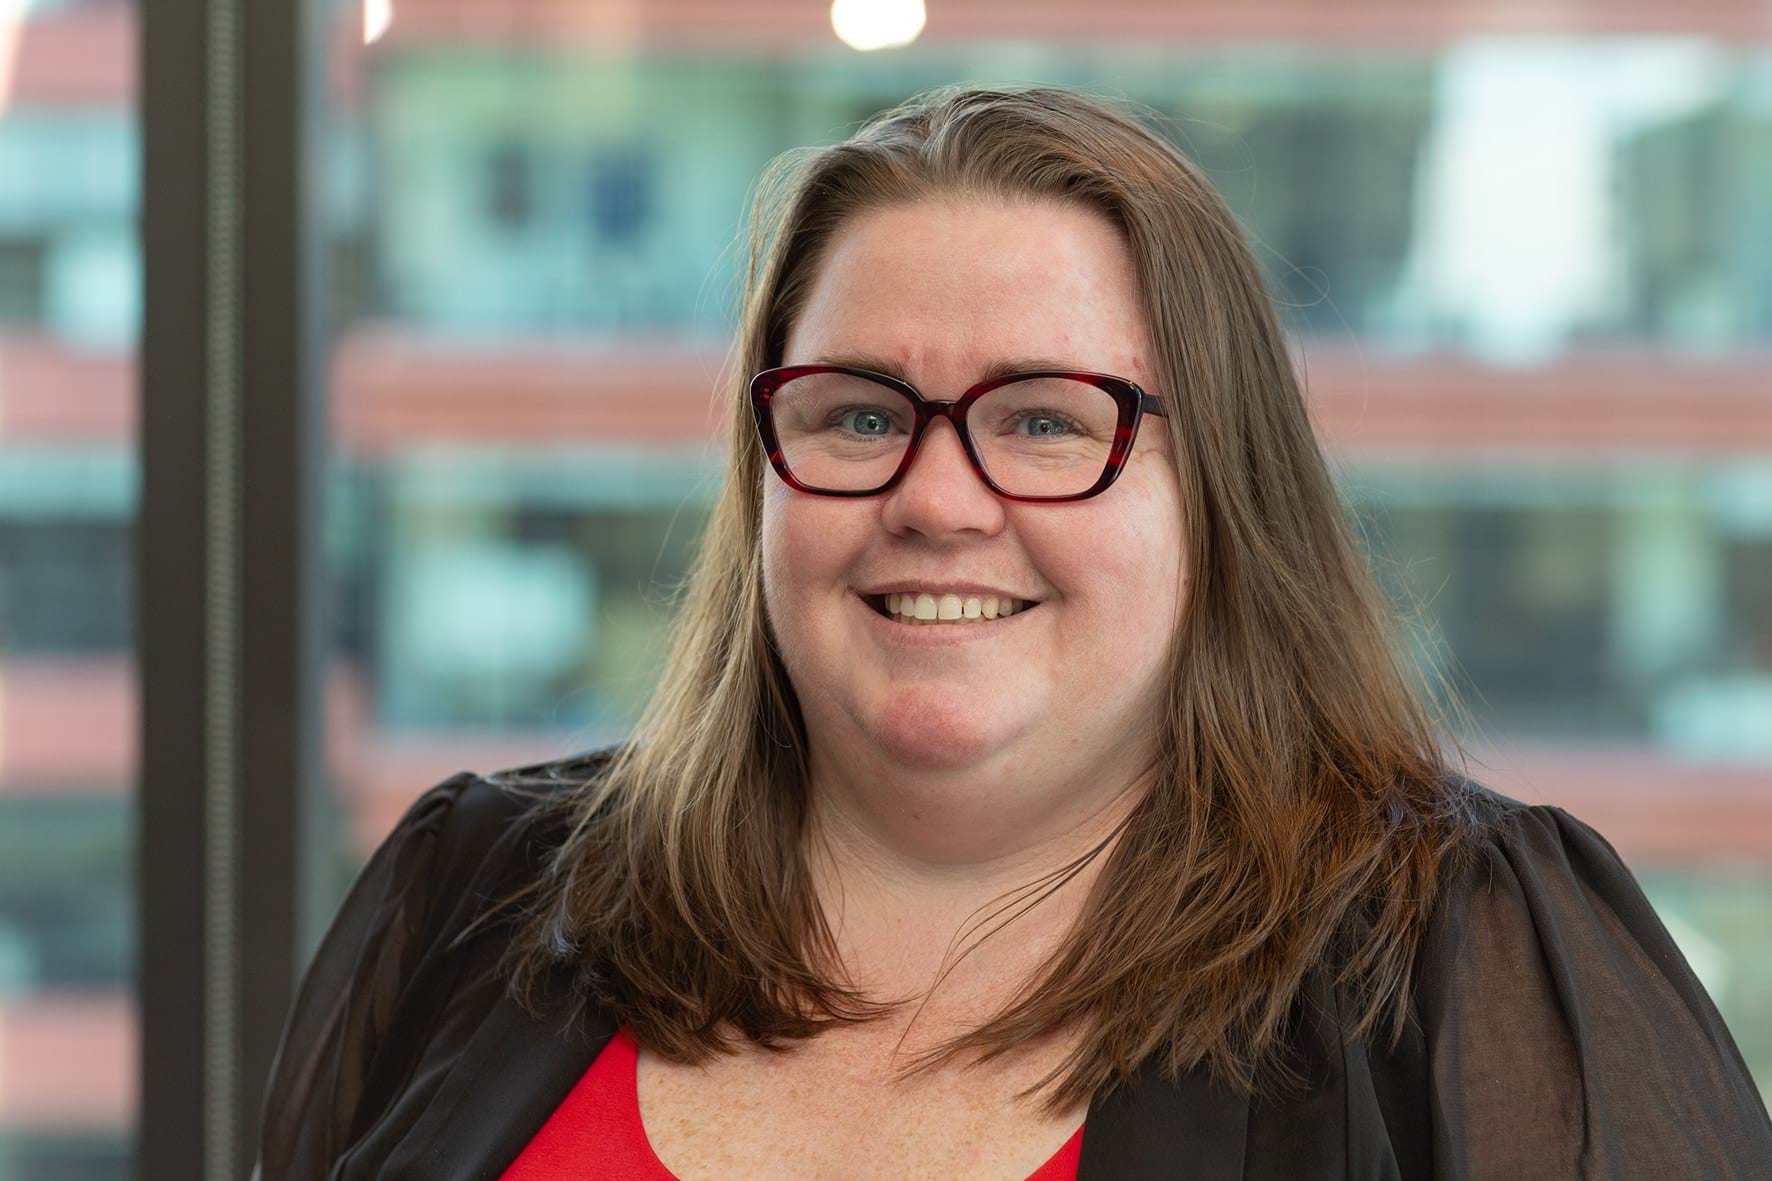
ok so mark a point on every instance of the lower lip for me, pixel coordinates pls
(937, 635)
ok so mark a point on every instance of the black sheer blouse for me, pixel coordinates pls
(1559, 1034)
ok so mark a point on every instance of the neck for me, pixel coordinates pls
(919, 873)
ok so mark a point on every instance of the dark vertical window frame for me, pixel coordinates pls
(231, 441)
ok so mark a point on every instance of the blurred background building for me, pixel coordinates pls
(1525, 254)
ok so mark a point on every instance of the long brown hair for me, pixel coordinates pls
(1302, 809)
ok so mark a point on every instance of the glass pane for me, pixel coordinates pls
(1526, 281)
(69, 278)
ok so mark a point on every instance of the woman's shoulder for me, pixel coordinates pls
(1490, 812)
(396, 973)
(1528, 883)
(1566, 1032)
(1530, 850)
(464, 850)
(478, 821)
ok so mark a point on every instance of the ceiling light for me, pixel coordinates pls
(877, 24)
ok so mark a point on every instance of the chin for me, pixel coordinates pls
(937, 731)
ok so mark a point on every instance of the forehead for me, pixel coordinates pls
(946, 288)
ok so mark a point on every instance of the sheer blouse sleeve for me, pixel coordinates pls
(345, 1002)
(1567, 1036)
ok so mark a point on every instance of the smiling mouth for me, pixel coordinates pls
(923, 610)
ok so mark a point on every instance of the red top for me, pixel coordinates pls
(596, 1130)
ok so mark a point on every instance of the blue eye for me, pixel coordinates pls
(1045, 426)
(870, 422)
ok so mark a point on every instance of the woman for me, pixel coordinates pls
(1032, 791)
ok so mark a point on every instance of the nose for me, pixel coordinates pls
(942, 493)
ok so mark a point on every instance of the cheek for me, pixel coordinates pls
(1131, 568)
(785, 544)
(775, 537)
(807, 544)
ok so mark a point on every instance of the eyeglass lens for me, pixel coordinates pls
(1048, 436)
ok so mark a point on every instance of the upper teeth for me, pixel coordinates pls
(928, 608)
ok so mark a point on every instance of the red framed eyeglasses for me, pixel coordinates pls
(1041, 436)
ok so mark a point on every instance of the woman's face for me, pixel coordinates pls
(938, 292)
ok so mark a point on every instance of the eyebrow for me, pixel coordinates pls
(1000, 368)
